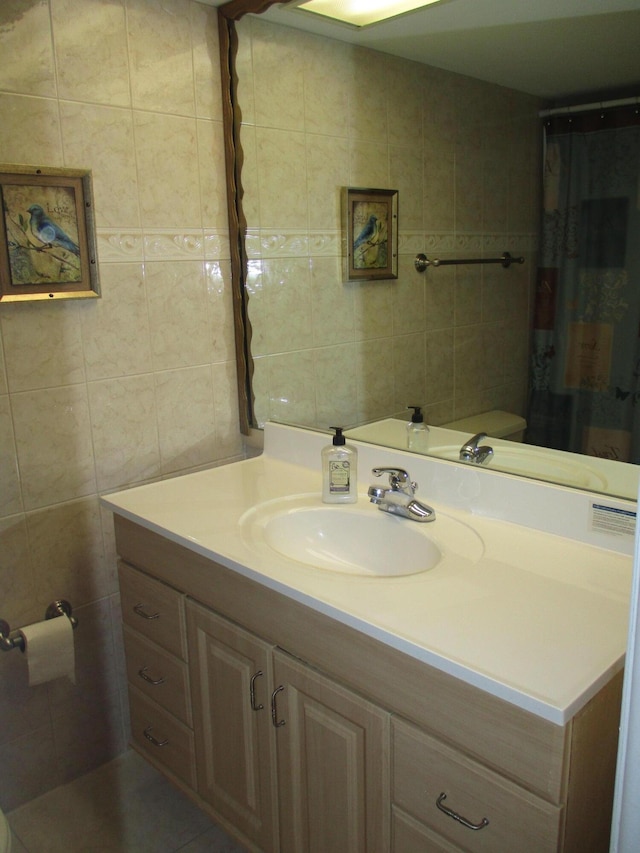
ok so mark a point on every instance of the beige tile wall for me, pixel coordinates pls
(97, 395)
(319, 115)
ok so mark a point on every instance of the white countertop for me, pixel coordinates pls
(538, 619)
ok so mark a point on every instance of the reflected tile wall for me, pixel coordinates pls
(97, 395)
(279, 98)
(463, 155)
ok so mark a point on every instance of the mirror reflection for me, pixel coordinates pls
(464, 155)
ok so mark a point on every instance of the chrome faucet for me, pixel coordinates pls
(399, 498)
(470, 452)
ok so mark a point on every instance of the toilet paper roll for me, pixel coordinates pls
(49, 649)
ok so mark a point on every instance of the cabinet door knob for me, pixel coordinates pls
(155, 681)
(450, 813)
(154, 740)
(252, 691)
(274, 710)
(139, 609)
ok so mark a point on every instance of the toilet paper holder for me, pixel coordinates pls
(14, 640)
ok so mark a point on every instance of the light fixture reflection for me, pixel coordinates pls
(361, 13)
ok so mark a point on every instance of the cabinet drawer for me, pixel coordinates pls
(158, 674)
(164, 739)
(409, 836)
(153, 609)
(425, 769)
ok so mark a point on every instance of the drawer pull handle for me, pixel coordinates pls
(252, 691)
(139, 609)
(484, 822)
(274, 710)
(155, 681)
(154, 741)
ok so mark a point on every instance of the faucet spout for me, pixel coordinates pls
(418, 511)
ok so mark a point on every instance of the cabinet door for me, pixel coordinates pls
(231, 684)
(333, 764)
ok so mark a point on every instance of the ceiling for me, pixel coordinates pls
(558, 50)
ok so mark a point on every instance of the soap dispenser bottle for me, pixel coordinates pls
(417, 431)
(339, 471)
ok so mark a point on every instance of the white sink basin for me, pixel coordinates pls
(355, 539)
(537, 464)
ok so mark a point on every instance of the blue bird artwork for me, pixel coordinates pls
(370, 246)
(48, 232)
(367, 232)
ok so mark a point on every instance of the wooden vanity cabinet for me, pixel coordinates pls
(356, 742)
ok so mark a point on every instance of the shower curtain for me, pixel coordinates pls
(585, 380)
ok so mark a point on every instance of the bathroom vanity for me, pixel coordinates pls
(470, 706)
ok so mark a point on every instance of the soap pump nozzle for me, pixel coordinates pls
(338, 438)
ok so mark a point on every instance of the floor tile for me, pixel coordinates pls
(213, 841)
(17, 846)
(125, 806)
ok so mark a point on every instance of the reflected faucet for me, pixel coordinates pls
(470, 452)
(399, 498)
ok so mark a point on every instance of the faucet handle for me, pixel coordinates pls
(470, 451)
(472, 445)
(399, 479)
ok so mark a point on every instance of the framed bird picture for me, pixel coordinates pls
(370, 222)
(47, 238)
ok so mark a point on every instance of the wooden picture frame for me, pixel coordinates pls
(370, 222)
(47, 234)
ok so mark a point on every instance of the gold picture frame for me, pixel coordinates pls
(370, 218)
(47, 239)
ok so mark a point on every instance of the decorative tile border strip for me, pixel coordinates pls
(116, 245)
(216, 245)
(159, 244)
(283, 244)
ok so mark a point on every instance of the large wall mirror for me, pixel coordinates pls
(307, 115)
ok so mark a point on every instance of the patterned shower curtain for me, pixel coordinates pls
(585, 384)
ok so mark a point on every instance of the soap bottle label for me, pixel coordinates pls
(339, 477)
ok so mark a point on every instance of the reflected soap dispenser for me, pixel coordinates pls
(339, 471)
(417, 431)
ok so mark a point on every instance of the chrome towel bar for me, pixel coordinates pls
(14, 640)
(422, 261)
